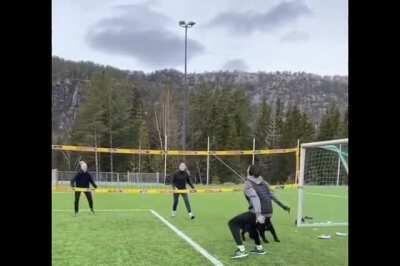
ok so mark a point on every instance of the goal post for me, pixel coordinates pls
(323, 184)
(54, 178)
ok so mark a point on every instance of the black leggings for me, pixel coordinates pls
(88, 196)
(185, 198)
(241, 221)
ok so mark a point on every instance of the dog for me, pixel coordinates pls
(261, 228)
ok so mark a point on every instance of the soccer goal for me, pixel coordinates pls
(323, 184)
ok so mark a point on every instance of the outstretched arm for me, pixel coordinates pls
(283, 206)
(173, 181)
(276, 200)
(92, 181)
(73, 180)
(189, 182)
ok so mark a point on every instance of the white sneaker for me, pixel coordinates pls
(173, 213)
(239, 254)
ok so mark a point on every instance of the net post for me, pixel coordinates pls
(301, 187)
(165, 158)
(96, 159)
(140, 157)
(208, 159)
(296, 178)
(254, 148)
(54, 174)
(338, 171)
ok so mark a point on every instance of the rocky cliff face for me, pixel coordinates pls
(67, 96)
(311, 93)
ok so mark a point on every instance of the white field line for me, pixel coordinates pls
(182, 235)
(321, 194)
(325, 195)
(102, 210)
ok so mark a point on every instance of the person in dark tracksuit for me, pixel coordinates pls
(82, 180)
(259, 196)
(179, 180)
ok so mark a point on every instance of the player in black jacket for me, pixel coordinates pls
(179, 180)
(82, 180)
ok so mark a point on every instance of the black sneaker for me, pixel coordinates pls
(192, 217)
(240, 254)
(258, 251)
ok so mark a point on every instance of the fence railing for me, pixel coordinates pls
(111, 179)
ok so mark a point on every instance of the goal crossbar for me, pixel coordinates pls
(323, 143)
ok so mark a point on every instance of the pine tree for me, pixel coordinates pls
(273, 134)
(170, 122)
(271, 164)
(201, 112)
(344, 126)
(279, 115)
(123, 129)
(297, 127)
(143, 141)
(307, 129)
(330, 124)
(240, 108)
(292, 127)
(92, 116)
(107, 113)
(262, 136)
(263, 125)
(290, 132)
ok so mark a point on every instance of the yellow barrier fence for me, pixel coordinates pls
(169, 152)
(163, 191)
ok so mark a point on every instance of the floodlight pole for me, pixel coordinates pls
(185, 25)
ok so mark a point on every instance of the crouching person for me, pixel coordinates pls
(259, 196)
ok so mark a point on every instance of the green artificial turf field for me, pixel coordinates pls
(124, 232)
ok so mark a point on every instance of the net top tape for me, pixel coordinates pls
(170, 152)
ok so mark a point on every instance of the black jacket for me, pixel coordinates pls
(82, 179)
(179, 180)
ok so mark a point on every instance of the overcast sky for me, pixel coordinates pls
(256, 35)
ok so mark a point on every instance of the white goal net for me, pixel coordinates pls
(323, 184)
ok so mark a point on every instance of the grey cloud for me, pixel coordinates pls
(251, 21)
(235, 64)
(295, 36)
(142, 33)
